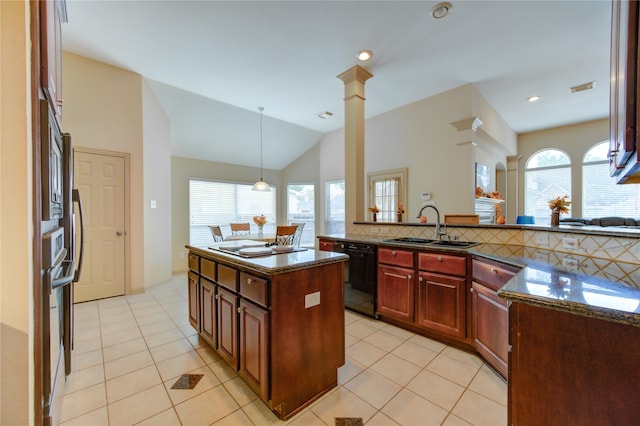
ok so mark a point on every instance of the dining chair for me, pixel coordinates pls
(285, 234)
(240, 228)
(216, 233)
(298, 235)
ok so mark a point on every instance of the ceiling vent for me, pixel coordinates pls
(582, 87)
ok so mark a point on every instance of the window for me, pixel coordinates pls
(301, 208)
(220, 203)
(601, 197)
(386, 190)
(334, 219)
(547, 175)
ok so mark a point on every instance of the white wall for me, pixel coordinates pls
(421, 138)
(16, 218)
(157, 187)
(108, 108)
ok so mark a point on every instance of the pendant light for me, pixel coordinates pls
(261, 185)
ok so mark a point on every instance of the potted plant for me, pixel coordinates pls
(374, 210)
(558, 205)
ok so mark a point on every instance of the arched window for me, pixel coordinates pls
(547, 175)
(601, 197)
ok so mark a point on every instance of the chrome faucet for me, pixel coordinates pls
(438, 234)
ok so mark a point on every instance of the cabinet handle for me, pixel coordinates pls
(240, 310)
(494, 270)
(249, 281)
(420, 279)
(471, 290)
(217, 296)
(409, 277)
(439, 258)
(393, 253)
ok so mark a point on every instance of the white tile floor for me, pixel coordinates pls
(130, 350)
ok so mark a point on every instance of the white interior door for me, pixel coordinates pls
(100, 178)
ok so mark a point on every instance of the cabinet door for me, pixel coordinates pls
(325, 245)
(396, 292)
(490, 322)
(194, 317)
(254, 347)
(441, 304)
(227, 311)
(52, 13)
(208, 311)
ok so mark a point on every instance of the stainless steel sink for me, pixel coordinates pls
(433, 243)
(409, 240)
(455, 243)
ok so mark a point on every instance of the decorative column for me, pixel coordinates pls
(354, 180)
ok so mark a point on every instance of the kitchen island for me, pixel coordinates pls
(277, 319)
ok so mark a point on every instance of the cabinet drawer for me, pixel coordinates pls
(443, 263)
(254, 288)
(493, 274)
(228, 277)
(325, 245)
(208, 269)
(194, 262)
(396, 257)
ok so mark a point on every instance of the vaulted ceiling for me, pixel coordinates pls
(213, 63)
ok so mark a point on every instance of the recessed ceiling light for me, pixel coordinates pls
(582, 87)
(441, 10)
(364, 55)
(325, 114)
(533, 98)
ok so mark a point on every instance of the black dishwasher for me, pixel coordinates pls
(359, 277)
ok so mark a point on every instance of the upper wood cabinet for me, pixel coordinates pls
(52, 14)
(624, 157)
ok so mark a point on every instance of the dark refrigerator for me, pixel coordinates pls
(62, 250)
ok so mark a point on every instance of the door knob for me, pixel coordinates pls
(119, 233)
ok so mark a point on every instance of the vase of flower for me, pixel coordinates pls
(558, 205)
(399, 217)
(260, 221)
(260, 230)
(400, 212)
(374, 212)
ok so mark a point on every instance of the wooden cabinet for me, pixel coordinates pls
(227, 310)
(441, 293)
(254, 347)
(490, 315)
(52, 14)
(208, 317)
(194, 290)
(441, 303)
(624, 156)
(283, 332)
(396, 284)
(568, 369)
(325, 245)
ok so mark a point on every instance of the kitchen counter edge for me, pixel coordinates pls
(580, 286)
(273, 264)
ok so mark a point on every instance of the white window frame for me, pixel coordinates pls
(388, 203)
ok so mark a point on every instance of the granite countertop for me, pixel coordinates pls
(562, 281)
(270, 264)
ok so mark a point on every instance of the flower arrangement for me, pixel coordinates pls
(259, 220)
(494, 194)
(560, 204)
(374, 209)
(400, 209)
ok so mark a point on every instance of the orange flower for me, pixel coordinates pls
(560, 204)
(259, 220)
(374, 209)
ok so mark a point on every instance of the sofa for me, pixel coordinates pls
(601, 221)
